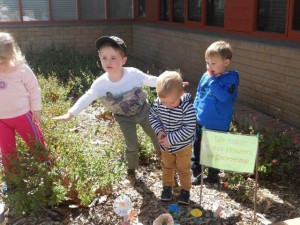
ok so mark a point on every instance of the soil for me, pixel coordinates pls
(274, 202)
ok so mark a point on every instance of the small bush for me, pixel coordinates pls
(278, 159)
(78, 168)
(68, 65)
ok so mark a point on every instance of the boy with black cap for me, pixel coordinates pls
(120, 90)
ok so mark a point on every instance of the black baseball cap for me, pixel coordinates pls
(112, 39)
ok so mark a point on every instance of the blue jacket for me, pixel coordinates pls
(214, 100)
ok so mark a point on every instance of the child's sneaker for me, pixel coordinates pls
(131, 176)
(166, 193)
(2, 217)
(184, 197)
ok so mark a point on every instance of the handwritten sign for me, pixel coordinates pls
(227, 151)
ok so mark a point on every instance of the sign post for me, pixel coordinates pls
(232, 152)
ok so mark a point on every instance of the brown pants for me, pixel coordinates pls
(179, 161)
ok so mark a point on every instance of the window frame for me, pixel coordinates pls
(184, 14)
(109, 17)
(51, 21)
(187, 23)
(153, 15)
(169, 21)
(201, 23)
(289, 33)
(137, 10)
(267, 33)
(292, 34)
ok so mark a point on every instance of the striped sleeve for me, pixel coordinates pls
(155, 122)
(186, 130)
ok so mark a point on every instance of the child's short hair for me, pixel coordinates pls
(168, 82)
(115, 47)
(219, 48)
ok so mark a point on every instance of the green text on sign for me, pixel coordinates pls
(227, 151)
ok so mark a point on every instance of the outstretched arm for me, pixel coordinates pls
(66, 117)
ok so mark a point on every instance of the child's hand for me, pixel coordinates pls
(162, 139)
(65, 117)
(161, 135)
(165, 142)
(211, 74)
(185, 83)
(36, 115)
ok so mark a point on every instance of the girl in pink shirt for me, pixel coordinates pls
(20, 100)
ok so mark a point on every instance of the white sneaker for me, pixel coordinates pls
(2, 217)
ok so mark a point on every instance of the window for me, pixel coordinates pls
(296, 16)
(271, 15)
(178, 11)
(142, 8)
(164, 10)
(195, 10)
(215, 13)
(92, 9)
(121, 9)
(64, 10)
(9, 10)
(35, 10)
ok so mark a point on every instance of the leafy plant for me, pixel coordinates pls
(241, 185)
(278, 158)
(151, 94)
(145, 147)
(71, 67)
(78, 170)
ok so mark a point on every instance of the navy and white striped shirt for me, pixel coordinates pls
(178, 123)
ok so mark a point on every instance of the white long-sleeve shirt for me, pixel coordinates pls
(19, 92)
(124, 97)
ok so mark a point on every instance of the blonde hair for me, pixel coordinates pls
(9, 50)
(219, 48)
(168, 82)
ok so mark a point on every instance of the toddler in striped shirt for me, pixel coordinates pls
(173, 118)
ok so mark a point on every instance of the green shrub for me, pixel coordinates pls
(78, 168)
(68, 65)
(278, 159)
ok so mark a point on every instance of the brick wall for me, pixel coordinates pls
(269, 69)
(81, 37)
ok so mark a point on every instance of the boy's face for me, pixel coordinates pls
(111, 59)
(216, 65)
(172, 100)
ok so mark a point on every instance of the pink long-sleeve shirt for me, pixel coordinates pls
(19, 92)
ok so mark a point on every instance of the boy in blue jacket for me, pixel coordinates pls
(214, 101)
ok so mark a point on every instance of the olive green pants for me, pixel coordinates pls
(128, 127)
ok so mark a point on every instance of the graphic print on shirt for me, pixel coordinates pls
(3, 84)
(129, 103)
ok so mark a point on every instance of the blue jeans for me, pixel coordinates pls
(195, 160)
